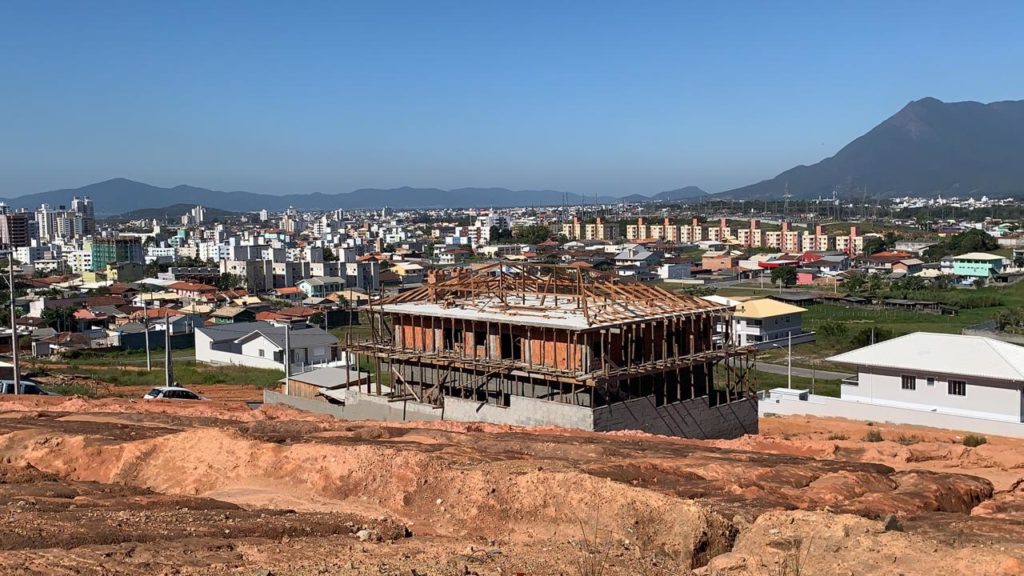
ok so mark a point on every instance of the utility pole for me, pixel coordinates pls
(145, 324)
(287, 356)
(15, 360)
(789, 363)
(168, 367)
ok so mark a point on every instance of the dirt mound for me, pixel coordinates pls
(800, 542)
(477, 498)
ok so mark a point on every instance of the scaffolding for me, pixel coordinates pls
(555, 332)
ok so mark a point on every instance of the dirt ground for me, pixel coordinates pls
(121, 486)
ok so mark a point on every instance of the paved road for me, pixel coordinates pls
(802, 372)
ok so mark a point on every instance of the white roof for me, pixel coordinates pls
(943, 354)
(978, 256)
(329, 377)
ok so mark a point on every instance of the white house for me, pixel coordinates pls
(262, 344)
(968, 376)
(674, 271)
(763, 321)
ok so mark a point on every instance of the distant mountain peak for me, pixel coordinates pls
(926, 148)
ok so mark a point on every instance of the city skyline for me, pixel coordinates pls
(609, 100)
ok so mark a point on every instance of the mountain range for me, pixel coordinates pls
(128, 198)
(927, 148)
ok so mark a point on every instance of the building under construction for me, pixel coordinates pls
(555, 345)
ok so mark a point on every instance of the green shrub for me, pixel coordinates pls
(974, 440)
(71, 390)
(873, 436)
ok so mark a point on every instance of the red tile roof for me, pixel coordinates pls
(192, 287)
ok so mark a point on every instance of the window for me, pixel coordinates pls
(957, 388)
(909, 382)
(931, 381)
(261, 353)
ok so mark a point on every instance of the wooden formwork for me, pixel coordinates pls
(633, 333)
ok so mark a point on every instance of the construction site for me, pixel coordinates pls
(556, 345)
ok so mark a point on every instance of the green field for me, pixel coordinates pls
(186, 373)
(893, 322)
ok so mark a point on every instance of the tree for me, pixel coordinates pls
(533, 234)
(855, 283)
(973, 240)
(979, 282)
(499, 234)
(875, 283)
(227, 281)
(329, 255)
(874, 245)
(317, 319)
(60, 319)
(785, 275)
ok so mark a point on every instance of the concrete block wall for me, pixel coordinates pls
(689, 418)
(520, 412)
(359, 406)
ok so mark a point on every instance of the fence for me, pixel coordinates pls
(815, 405)
(990, 329)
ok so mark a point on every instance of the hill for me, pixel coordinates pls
(124, 196)
(927, 148)
(174, 211)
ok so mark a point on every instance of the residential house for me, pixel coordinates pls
(674, 271)
(322, 286)
(763, 321)
(192, 290)
(949, 374)
(978, 265)
(232, 315)
(408, 272)
(715, 261)
(882, 262)
(262, 345)
(908, 266)
(636, 255)
(289, 293)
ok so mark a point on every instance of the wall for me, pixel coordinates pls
(360, 406)
(137, 341)
(204, 353)
(520, 412)
(689, 418)
(692, 418)
(835, 407)
(985, 398)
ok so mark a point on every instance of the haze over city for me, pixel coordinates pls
(595, 98)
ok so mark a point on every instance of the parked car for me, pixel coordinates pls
(27, 387)
(171, 393)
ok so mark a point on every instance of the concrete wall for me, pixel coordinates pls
(520, 412)
(990, 399)
(835, 407)
(689, 418)
(359, 406)
(692, 418)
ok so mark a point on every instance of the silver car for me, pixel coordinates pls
(171, 393)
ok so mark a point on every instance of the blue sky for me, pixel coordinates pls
(589, 97)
